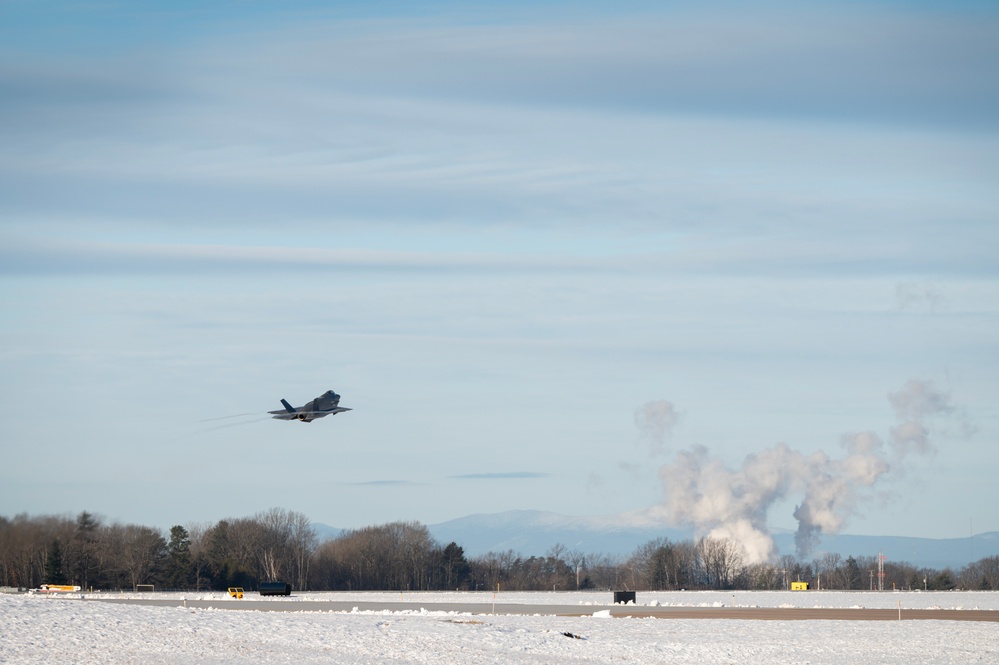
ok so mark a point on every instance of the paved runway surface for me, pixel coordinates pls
(637, 611)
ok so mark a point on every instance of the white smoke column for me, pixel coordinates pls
(916, 296)
(721, 502)
(656, 420)
(835, 487)
(725, 503)
(914, 405)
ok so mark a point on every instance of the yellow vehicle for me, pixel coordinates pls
(236, 592)
(58, 588)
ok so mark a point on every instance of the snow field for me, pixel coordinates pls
(37, 629)
(956, 600)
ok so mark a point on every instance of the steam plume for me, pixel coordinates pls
(655, 421)
(718, 501)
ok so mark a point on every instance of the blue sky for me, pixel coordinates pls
(498, 233)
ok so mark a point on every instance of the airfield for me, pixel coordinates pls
(333, 602)
(820, 628)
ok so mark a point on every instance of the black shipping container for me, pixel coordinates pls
(275, 589)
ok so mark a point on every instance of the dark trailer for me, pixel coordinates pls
(275, 589)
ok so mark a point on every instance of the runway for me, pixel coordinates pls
(620, 611)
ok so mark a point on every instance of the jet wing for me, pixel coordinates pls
(306, 416)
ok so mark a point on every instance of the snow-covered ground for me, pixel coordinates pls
(957, 600)
(40, 629)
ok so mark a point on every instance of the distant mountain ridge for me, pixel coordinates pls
(534, 533)
(531, 532)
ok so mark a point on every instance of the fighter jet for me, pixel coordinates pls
(327, 404)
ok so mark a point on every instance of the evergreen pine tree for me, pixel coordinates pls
(53, 565)
(83, 545)
(179, 558)
(454, 566)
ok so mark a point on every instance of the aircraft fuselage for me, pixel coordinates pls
(327, 404)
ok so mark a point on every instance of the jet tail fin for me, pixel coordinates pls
(288, 407)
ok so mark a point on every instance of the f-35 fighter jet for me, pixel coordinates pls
(327, 404)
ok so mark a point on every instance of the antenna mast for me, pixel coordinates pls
(881, 571)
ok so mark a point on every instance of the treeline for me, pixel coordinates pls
(281, 545)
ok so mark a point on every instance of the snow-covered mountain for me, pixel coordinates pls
(531, 532)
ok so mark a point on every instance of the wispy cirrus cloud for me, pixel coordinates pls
(34, 256)
(778, 60)
(502, 475)
(384, 483)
